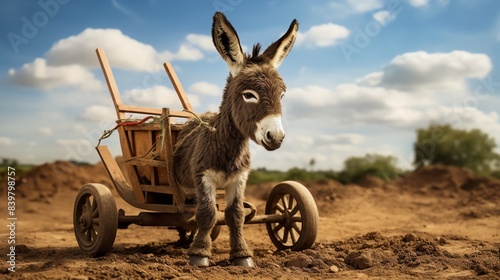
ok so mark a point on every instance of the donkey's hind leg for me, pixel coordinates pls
(206, 217)
(240, 254)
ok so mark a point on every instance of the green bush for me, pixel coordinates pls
(355, 168)
(442, 144)
(262, 175)
(298, 174)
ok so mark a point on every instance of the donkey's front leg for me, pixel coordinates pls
(235, 217)
(206, 212)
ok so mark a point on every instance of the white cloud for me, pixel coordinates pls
(351, 103)
(434, 71)
(122, 51)
(371, 80)
(205, 88)
(311, 95)
(185, 52)
(204, 42)
(469, 118)
(323, 35)
(383, 17)
(69, 61)
(71, 142)
(5, 141)
(426, 3)
(157, 97)
(419, 3)
(363, 6)
(339, 139)
(46, 131)
(99, 113)
(412, 90)
(40, 75)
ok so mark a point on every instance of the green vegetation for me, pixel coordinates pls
(355, 168)
(262, 175)
(79, 163)
(438, 144)
(19, 168)
(442, 144)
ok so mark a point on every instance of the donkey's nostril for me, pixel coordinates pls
(269, 137)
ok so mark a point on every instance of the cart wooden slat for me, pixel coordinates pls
(148, 148)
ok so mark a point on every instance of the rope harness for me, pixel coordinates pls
(129, 122)
(200, 123)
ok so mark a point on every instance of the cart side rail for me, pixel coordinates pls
(121, 108)
(123, 187)
(128, 141)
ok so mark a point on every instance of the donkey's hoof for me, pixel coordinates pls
(245, 261)
(199, 261)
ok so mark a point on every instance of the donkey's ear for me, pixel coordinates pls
(227, 43)
(278, 50)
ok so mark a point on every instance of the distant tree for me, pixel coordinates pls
(442, 144)
(356, 168)
(79, 163)
(312, 162)
(9, 162)
(298, 174)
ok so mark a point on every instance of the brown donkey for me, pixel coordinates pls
(218, 156)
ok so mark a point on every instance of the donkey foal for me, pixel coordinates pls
(209, 159)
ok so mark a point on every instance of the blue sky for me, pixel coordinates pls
(361, 78)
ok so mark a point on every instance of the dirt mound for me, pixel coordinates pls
(330, 195)
(414, 255)
(371, 182)
(438, 222)
(406, 252)
(43, 182)
(439, 177)
(452, 181)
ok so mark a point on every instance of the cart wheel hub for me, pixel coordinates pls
(85, 221)
(82, 221)
(288, 217)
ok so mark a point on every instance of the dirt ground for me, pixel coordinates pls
(438, 223)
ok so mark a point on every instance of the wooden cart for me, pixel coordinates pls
(291, 215)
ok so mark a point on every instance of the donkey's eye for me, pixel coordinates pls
(250, 96)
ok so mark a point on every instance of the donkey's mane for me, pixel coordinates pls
(255, 57)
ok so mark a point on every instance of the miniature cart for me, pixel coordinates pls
(291, 214)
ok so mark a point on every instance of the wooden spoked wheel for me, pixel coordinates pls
(299, 227)
(95, 219)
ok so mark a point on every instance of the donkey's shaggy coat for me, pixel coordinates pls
(208, 159)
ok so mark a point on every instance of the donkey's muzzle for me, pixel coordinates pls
(270, 132)
(272, 141)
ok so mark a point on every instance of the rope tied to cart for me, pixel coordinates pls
(200, 123)
(126, 122)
